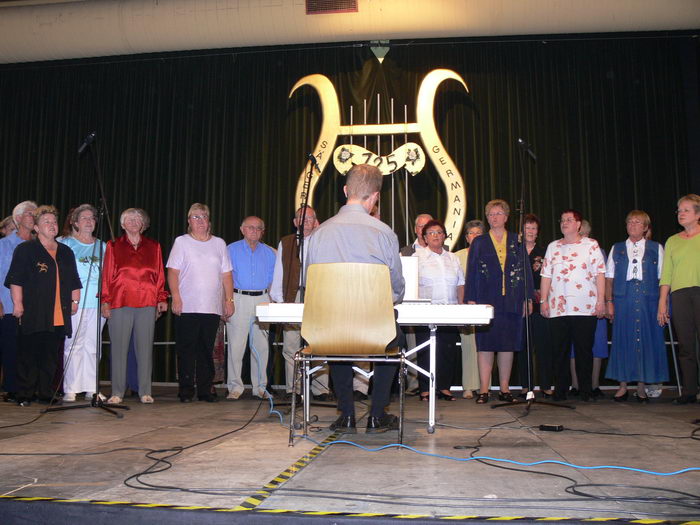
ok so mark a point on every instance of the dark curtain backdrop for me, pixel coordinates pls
(608, 118)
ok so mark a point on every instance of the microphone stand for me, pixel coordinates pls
(525, 260)
(301, 238)
(97, 400)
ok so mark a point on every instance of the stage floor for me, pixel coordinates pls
(233, 455)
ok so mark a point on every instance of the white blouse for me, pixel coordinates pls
(439, 275)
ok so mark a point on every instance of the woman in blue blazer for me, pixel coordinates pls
(497, 276)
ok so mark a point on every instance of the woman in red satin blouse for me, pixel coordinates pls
(133, 297)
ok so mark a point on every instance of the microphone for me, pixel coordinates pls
(314, 161)
(88, 140)
(526, 147)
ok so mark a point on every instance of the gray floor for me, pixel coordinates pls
(252, 451)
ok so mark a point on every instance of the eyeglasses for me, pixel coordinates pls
(199, 217)
(435, 233)
(256, 228)
(568, 219)
(495, 214)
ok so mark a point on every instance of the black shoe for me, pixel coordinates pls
(557, 398)
(382, 424)
(641, 399)
(24, 403)
(208, 398)
(621, 398)
(597, 393)
(296, 397)
(359, 396)
(323, 398)
(587, 397)
(9, 397)
(684, 400)
(507, 397)
(185, 399)
(545, 395)
(344, 424)
(574, 392)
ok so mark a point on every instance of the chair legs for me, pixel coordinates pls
(402, 395)
(292, 418)
(301, 377)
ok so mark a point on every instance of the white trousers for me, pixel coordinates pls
(242, 327)
(80, 352)
(470, 368)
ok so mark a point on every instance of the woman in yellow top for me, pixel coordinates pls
(497, 275)
(681, 276)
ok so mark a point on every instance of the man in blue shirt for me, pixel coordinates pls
(23, 216)
(253, 267)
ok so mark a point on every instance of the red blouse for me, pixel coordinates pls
(133, 277)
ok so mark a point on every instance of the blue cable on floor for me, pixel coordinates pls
(503, 460)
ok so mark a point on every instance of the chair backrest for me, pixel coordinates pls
(348, 309)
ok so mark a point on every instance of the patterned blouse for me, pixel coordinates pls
(573, 269)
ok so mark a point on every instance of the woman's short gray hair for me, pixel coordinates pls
(19, 210)
(476, 223)
(80, 209)
(141, 214)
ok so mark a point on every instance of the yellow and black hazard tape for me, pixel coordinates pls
(240, 508)
(253, 502)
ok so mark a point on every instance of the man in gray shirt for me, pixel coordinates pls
(353, 235)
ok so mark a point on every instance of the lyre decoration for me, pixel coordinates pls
(409, 156)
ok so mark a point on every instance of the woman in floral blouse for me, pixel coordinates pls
(496, 276)
(573, 297)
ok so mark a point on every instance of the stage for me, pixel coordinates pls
(231, 463)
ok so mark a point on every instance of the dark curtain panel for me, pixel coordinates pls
(607, 118)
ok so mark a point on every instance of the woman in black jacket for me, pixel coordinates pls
(45, 287)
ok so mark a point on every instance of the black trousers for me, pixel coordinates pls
(686, 322)
(36, 364)
(581, 330)
(542, 354)
(195, 335)
(341, 374)
(446, 356)
(8, 350)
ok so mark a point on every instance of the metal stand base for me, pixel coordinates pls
(530, 400)
(96, 402)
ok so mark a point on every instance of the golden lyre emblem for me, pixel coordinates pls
(43, 267)
(409, 156)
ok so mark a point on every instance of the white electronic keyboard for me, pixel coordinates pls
(410, 314)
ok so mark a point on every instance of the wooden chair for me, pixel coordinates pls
(348, 316)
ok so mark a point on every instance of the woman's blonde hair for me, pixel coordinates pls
(497, 202)
(201, 207)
